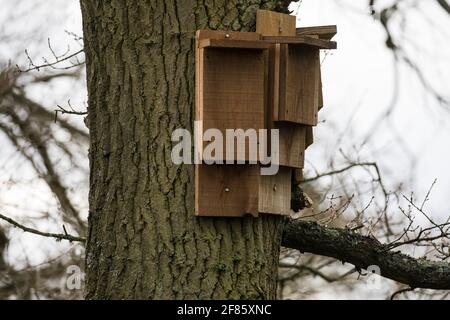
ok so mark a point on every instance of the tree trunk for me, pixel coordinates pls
(144, 241)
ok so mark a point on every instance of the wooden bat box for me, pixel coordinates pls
(268, 79)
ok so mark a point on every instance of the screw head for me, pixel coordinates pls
(227, 189)
(227, 35)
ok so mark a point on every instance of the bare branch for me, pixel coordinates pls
(57, 236)
(52, 64)
(363, 251)
(444, 4)
(72, 111)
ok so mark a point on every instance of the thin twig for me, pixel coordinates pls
(33, 66)
(58, 236)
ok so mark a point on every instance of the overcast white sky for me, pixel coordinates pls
(359, 81)
(359, 85)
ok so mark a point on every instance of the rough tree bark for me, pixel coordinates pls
(143, 239)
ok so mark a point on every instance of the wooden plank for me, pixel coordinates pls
(299, 104)
(233, 93)
(198, 115)
(324, 32)
(240, 190)
(232, 85)
(283, 57)
(320, 89)
(309, 136)
(237, 44)
(275, 78)
(270, 23)
(199, 90)
(319, 43)
(292, 145)
(298, 176)
(275, 193)
(230, 35)
(227, 190)
(304, 40)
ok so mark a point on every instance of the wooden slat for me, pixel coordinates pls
(232, 84)
(299, 104)
(237, 44)
(275, 81)
(227, 190)
(223, 34)
(270, 23)
(309, 136)
(304, 40)
(233, 92)
(273, 191)
(324, 32)
(298, 176)
(292, 144)
(320, 89)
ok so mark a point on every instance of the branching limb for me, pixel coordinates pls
(53, 64)
(363, 251)
(72, 111)
(58, 236)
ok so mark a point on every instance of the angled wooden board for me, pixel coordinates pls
(312, 41)
(323, 32)
(299, 85)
